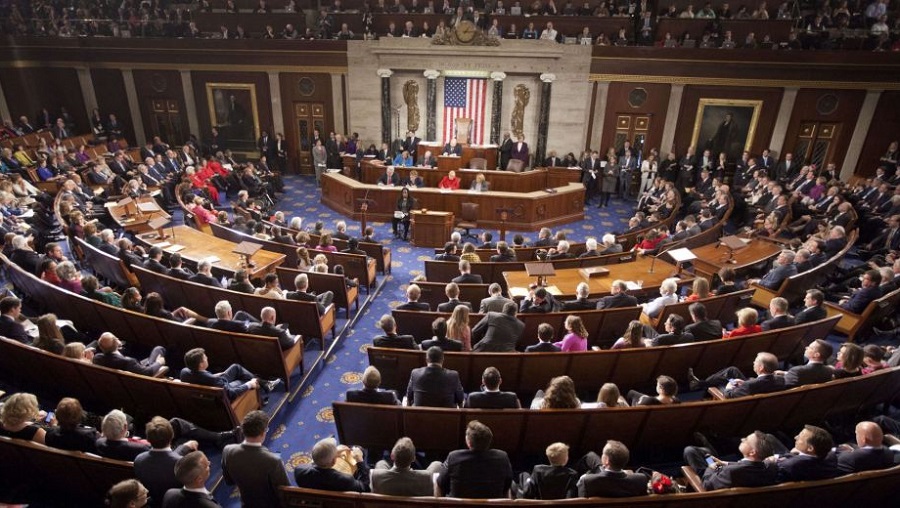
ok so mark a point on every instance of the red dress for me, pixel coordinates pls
(744, 330)
(447, 183)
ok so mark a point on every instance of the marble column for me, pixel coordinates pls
(87, 89)
(277, 110)
(190, 104)
(673, 111)
(497, 106)
(431, 104)
(385, 75)
(779, 131)
(134, 106)
(544, 117)
(860, 131)
(4, 107)
(337, 103)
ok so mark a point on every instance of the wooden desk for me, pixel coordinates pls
(137, 223)
(199, 246)
(431, 229)
(567, 279)
(530, 210)
(710, 259)
(487, 152)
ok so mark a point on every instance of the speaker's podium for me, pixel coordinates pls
(430, 228)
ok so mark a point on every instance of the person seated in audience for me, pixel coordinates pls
(271, 288)
(50, 337)
(590, 246)
(553, 481)
(403, 159)
(666, 393)
(268, 326)
(581, 301)
(815, 370)
(10, 314)
(235, 379)
(783, 268)
(632, 338)
(873, 358)
(465, 274)
(433, 385)
(115, 442)
(576, 338)
(241, 282)
(668, 296)
(204, 275)
(618, 297)
(545, 334)
(849, 361)
(539, 301)
(413, 293)
(391, 339)
(156, 467)
(813, 309)
(479, 184)
(735, 384)
(702, 328)
(606, 476)
(227, 321)
(323, 474)
(751, 471)
(778, 310)
(487, 240)
(326, 244)
(353, 247)
(17, 418)
(504, 253)
(449, 182)
(109, 355)
(203, 214)
(440, 329)
(127, 494)
(154, 261)
(869, 452)
(108, 245)
(674, 327)
(23, 255)
(449, 253)
(867, 293)
(559, 394)
(302, 293)
(609, 396)
(699, 290)
(453, 301)
(477, 472)
(610, 246)
(341, 230)
(468, 253)
(746, 320)
(69, 433)
(397, 478)
(414, 180)
(69, 277)
(192, 472)
(490, 396)
(371, 393)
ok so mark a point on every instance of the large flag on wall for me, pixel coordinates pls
(465, 98)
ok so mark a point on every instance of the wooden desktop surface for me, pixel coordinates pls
(711, 259)
(138, 222)
(528, 211)
(199, 246)
(486, 152)
(566, 280)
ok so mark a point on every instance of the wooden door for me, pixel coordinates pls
(166, 121)
(308, 116)
(634, 128)
(816, 142)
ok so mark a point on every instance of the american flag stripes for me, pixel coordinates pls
(465, 98)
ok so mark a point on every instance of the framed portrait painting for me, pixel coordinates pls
(725, 125)
(232, 109)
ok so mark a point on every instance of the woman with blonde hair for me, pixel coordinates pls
(609, 396)
(458, 327)
(632, 336)
(77, 351)
(320, 259)
(746, 319)
(469, 254)
(17, 418)
(700, 289)
(576, 339)
(560, 394)
(50, 337)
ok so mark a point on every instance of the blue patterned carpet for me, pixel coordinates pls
(308, 416)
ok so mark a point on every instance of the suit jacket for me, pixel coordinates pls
(616, 301)
(305, 296)
(455, 150)
(612, 484)
(765, 383)
(543, 347)
(810, 373)
(810, 314)
(449, 305)
(802, 468)
(403, 482)
(229, 325)
(156, 470)
(120, 450)
(202, 278)
(743, 473)
(314, 477)
(445, 344)
(550, 482)
(180, 498)
(861, 299)
(256, 471)
(492, 400)
(395, 341)
(414, 306)
(119, 361)
(474, 474)
(434, 386)
(519, 152)
(670, 339)
(468, 278)
(776, 275)
(377, 396)
(493, 304)
(497, 332)
(13, 329)
(155, 266)
(81, 438)
(285, 340)
(778, 322)
(579, 304)
(705, 330)
(864, 459)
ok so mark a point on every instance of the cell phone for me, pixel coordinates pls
(710, 461)
(50, 416)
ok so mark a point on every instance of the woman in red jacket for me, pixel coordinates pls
(449, 182)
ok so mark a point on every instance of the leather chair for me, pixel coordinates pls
(515, 165)
(478, 163)
(468, 219)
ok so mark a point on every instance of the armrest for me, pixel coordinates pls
(692, 478)
(716, 393)
(161, 373)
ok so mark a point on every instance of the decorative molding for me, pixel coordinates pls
(548, 77)
(774, 83)
(498, 76)
(431, 74)
(384, 73)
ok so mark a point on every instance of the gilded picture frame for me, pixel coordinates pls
(714, 130)
(233, 111)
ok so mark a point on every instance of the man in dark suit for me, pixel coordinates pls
(322, 475)
(452, 148)
(552, 160)
(109, 356)
(411, 144)
(703, 329)
(10, 327)
(153, 262)
(235, 379)
(506, 146)
(540, 302)
(810, 459)
(449, 253)
(751, 471)
(561, 251)
(24, 256)
(609, 480)
(371, 393)
(813, 310)
(782, 268)
(465, 274)
(581, 301)
(495, 302)
(400, 479)
(674, 327)
(491, 397)
(227, 321)
(413, 293)
(591, 172)
(869, 454)
(390, 338)
(452, 292)
(301, 293)
(115, 443)
(864, 295)
(618, 297)
(498, 331)
(778, 310)
(504, 253)
(108, 242)
(176, 269)
(815, 370)
(487, 241)
(554, 481)
(545, 335)
(268, 326)
(590, 246)
(156, 468)
(735, 384)
(252, 467)
(192, 471)
(204, 275)
(477, 472)
(433, 385)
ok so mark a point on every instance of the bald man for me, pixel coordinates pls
(268, 326)
(110, 356)
(870, 452)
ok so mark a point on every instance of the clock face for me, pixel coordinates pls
(465, 31)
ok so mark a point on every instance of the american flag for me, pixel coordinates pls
(465, 98)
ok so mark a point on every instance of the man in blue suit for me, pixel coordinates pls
(868, 292)
(783, 268)
(751, 471)
(810, 459)
(869, 454)
(235, 379)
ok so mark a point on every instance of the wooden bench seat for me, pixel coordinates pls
(261, 355)
(721, 308)
(860, 325)
(344, 297)
(102, 389)
(301, 317)
(380, 253)
(526, 373)
(524, 432)
(106, 266)
(433, 293)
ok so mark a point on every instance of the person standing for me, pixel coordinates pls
(252, 467)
